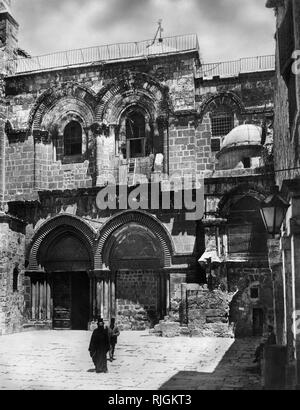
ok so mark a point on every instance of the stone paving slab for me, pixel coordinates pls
(59, 360)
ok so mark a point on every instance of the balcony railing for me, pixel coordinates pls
(107, 53)
(234, 68)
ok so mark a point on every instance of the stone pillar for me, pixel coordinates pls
(184, 307)
(295, 252)
(113, 295)
(275, 263)
(105, 155)
(12, 256)
(288, 309)
(168, 296)
(103, 294)
(293, 232)
(9, 42)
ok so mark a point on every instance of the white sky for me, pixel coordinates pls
(227, 29)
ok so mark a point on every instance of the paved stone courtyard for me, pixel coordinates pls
(59, 360)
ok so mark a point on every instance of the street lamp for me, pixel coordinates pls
(273, 211)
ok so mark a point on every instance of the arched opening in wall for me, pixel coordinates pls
(247, 237)
(15, 279)
(64, 294)
(135, 256)
(135, 135)
(73, 139)
(222, 122)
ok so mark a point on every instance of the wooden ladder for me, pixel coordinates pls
(132, 171)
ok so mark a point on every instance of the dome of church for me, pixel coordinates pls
(246, 134)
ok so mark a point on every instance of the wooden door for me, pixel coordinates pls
(80, 301)
(62, 301)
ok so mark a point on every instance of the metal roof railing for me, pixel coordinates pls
(234, 68)
(107, 53)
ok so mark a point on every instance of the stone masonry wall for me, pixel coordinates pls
(12, 303)
(22, 92)
(137, 296)
(241, 279)
(286, 145)
(255, 93)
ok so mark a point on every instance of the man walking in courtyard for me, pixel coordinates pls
(113, 333)
(99, 346)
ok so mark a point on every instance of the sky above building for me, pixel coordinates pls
(227, 29)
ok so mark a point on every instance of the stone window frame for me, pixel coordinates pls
(58, 139)
(133, 124)
(148, 144)
(221, 102)
(73, 142)
(219, 111)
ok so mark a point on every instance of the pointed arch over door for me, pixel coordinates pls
(60, 259)
(68, 223)
(132, 252)
(138, 217)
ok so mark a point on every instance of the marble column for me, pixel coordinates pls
(103, 294)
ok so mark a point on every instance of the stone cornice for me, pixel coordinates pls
(14, 223)
(12, 133)
(41, 136)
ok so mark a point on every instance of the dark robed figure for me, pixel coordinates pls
(99, 346)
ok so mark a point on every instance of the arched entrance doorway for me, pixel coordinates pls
(66, 261)
(60, 259)
(135, 257)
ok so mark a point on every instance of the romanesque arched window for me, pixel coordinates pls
(222, 122)
(135, 135)
(246, 232)
(73, 139)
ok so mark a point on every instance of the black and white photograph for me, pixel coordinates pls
(149, 198)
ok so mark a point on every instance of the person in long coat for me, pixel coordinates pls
(99, 346)
(113, 333)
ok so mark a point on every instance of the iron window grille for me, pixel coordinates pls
(222, 123)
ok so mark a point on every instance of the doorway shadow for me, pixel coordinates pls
(235, 371)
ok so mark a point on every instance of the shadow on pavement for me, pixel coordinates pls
(235, 371)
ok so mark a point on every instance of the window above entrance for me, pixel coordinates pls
(73, 139)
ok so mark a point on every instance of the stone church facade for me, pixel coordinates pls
(73, 125)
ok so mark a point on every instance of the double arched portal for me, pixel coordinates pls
(78, 274)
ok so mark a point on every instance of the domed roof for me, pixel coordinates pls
(246, 134)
